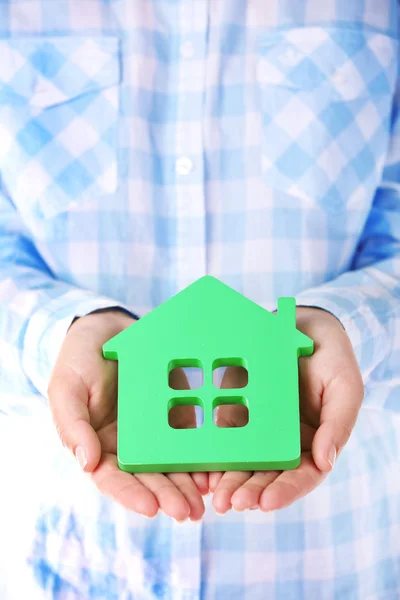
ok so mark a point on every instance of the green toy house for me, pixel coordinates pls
(209, 325)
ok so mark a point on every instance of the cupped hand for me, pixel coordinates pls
(83, 400)
(331, 394)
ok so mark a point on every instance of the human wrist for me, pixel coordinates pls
(310, 317)
(114, 318)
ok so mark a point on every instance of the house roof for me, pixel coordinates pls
(216, 305)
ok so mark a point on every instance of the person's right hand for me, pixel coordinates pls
(83, 400)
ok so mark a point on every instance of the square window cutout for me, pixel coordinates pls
(185, 413)
(185, 374)
(234, 378)
(230, 411)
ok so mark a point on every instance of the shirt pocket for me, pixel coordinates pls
(326, 97)
(59, 108)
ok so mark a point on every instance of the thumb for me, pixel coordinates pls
(341, 403)
(68, 397)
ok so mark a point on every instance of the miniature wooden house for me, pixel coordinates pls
(209, 325)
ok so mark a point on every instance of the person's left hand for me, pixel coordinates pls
(331, 394)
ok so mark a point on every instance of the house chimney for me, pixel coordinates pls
(287, 311)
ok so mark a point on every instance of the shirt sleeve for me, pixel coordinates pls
(36, 309)
(366, 299)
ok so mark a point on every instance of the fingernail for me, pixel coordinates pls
(80, 455)
(332, 456)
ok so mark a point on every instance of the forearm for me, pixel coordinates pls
(367, 302)
(36, 309)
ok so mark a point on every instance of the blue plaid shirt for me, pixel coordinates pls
(145, 143)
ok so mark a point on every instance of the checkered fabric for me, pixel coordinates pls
(60, 117)
(144, 144)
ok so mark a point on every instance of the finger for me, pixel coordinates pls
(234, 377)
(202, 482)
(189, 491)
(230, 482)
(248, 495)
(247, 499)
(311, 390)
(181, 417)
(108, 438)
(342, 400)
(291, 485)
(123, 487)
(170, 499)
(182, 481)
(307, 434)
(214, 478)
(232, 415)
(68, 397)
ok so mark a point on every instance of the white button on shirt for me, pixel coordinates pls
(184, 165)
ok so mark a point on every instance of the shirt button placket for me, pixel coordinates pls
(189, 161)
(186, 545)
